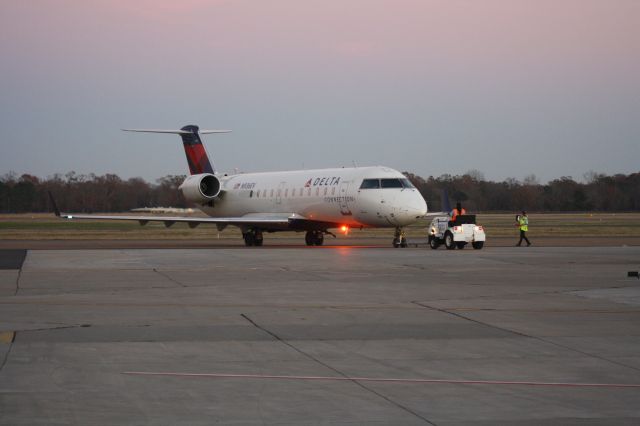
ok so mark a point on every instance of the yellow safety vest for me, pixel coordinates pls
(524, 223)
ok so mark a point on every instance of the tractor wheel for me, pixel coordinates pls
(434, 243)
(448, 241)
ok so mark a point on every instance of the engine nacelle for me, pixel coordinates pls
(200, 188)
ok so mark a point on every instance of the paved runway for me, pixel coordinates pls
(297, 242)
(296, 335)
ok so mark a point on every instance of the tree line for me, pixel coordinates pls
(87, 193)
(109, 193)
(598, 192)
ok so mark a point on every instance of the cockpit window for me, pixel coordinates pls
(391, 183)
(370, 184)
(407, 183)
(386, 183)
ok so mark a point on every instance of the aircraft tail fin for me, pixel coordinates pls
(195, 151)
(446, 205)
(56, 210)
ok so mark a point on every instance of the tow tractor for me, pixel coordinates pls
(456, 233)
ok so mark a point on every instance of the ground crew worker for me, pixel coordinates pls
(523, 224)
(457, 211)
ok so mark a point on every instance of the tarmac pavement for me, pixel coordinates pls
(299, 335)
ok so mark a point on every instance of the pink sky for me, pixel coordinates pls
(477, 73)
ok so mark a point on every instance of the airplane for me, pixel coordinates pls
(310, 201)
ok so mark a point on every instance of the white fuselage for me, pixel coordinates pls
(326, 195)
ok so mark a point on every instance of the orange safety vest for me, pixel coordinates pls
(455, 213)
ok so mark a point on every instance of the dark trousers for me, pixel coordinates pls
(523, 236)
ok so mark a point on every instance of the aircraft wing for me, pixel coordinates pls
(260, 219)
(429, 214)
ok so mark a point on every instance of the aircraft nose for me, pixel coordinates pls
(420, 206)
(411, 209)
(415, 205)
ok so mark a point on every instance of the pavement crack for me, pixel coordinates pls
(550, 342)
(6, 356)
(455, 314)
(62, 327)
(18, 281)
(335, 370)
(173, 280)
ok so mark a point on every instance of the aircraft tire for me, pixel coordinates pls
(249, 239)
(477, 245)
(308, 238)
(460, 245)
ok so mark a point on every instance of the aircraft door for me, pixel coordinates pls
(344, 198)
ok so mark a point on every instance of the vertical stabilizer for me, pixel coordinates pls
(446, 205)
(197, 157)
(195, 151)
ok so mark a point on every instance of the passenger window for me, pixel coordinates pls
(391, 183)
(317, 191)
(272, 192)
(301, 189)
(325, 190)
(251, 194)
(309, 192)
(370, 184)
(333, 191)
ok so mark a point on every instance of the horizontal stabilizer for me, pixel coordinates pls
(197, 157)
(176, 132)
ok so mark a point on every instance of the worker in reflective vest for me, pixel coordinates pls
(457, 211)
(523, 225)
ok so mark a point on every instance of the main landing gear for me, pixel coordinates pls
(314, 238)
(399, 239)
(252, 237)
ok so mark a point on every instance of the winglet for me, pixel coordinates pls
(53, 203)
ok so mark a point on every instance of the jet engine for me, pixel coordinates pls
(201, 188)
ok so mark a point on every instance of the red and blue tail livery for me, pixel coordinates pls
(195, 151)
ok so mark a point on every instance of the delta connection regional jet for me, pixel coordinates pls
(302, 200)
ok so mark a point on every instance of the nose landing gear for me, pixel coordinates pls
(314, 238)
(399, 239)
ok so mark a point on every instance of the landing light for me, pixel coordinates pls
(345, 229)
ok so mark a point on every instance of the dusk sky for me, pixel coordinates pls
(510, 88)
